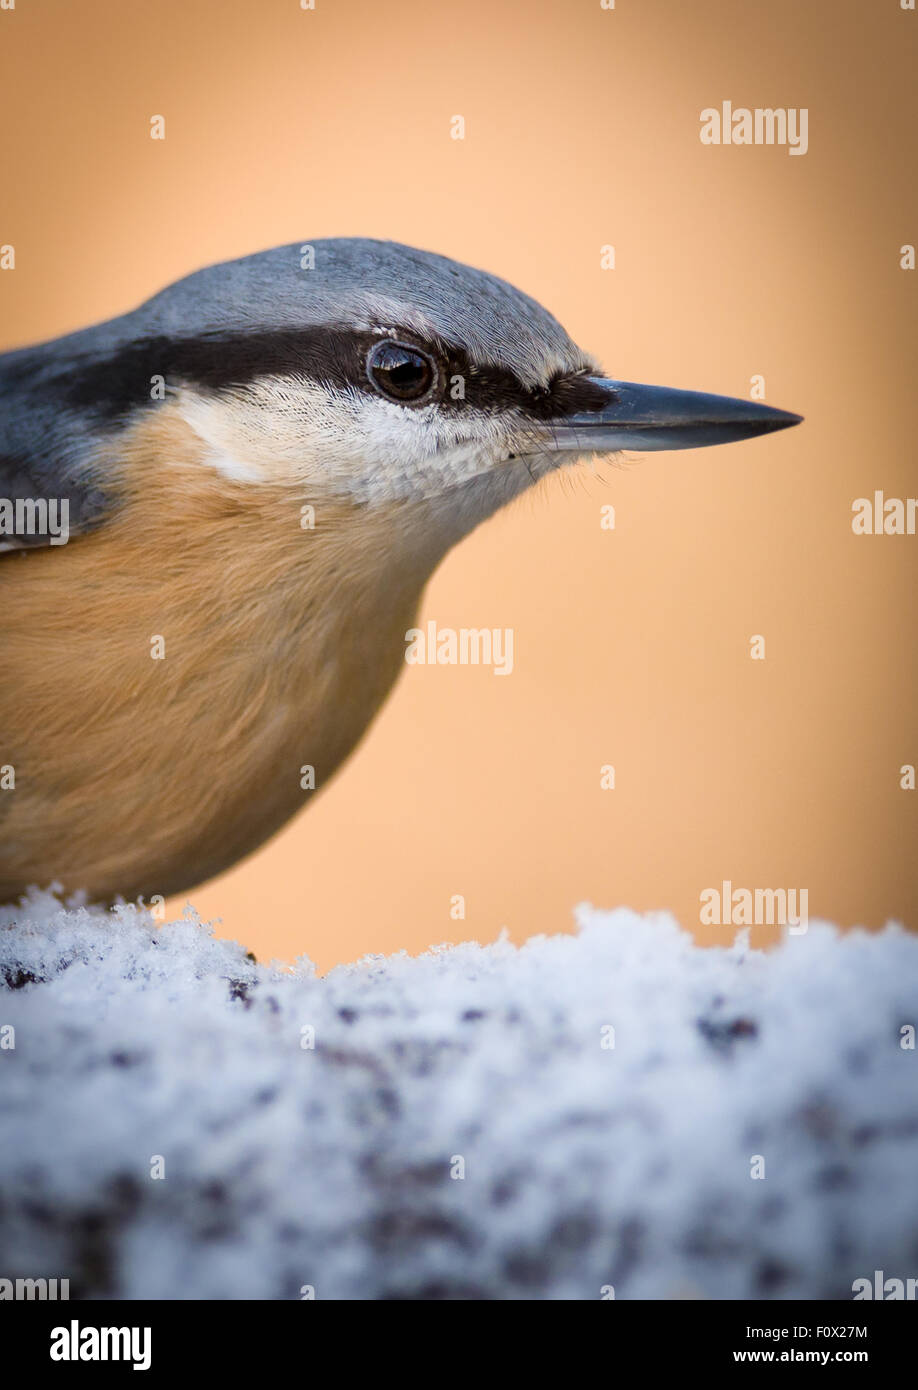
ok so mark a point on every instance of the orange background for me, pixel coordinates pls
(632, 647)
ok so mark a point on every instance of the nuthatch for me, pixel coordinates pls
(256, 472)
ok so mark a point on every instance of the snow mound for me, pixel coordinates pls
(616, 1109)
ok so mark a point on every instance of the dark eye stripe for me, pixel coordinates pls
(114, 385)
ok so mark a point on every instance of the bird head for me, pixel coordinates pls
(364, 371)
(381, 373)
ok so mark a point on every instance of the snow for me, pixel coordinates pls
(455, 1125)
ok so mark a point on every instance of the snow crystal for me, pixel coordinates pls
(615, 1109)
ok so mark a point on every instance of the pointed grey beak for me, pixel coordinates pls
(658, 417)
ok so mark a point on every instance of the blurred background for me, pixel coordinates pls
(632, 645)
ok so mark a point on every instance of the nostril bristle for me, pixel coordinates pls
(569, 395)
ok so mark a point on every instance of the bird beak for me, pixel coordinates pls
(658, 417)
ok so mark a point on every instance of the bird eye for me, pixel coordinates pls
(400, 372)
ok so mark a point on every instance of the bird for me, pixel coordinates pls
(220, 511)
